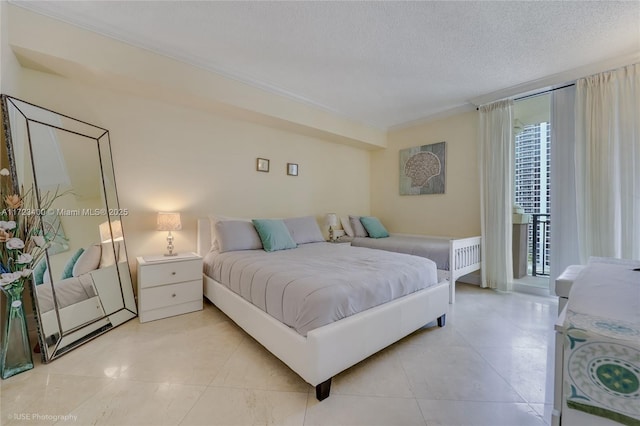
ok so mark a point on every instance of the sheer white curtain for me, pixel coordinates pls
(496, 193)
(608, 163)
(564, 235)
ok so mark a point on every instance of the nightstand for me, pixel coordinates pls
(169, 286)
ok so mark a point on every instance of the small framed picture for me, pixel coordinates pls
(262, 165)
(292, 169)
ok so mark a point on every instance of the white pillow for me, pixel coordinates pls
(358, 228)
(304, 229)
(347, 226)
(88, 261)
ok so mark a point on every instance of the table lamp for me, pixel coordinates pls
(332, 222)
(169, 221)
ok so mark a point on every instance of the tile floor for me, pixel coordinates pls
(490, 365)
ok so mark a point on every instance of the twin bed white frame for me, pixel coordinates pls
(328, 350)
(464, 258)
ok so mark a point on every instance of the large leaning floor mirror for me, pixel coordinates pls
(81, 285)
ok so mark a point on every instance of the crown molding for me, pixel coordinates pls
(460, 109)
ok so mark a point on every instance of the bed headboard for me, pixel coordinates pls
(203, 241)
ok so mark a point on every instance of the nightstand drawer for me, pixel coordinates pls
(174, 294)
(170, 272)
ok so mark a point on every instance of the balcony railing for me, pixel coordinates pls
(540, 243)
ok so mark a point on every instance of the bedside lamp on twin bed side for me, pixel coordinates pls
(169, 221)
(332, 222)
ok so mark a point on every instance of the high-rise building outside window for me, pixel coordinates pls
(532, 178)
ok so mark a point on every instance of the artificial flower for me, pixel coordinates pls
(7, 225)
(15, 244)
(9, 277)
(5, 236)
(21, 246)
(13, 201)
(39, 240)
(24, 259)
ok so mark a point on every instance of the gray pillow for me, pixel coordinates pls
(234, 235)
(215, 219)
(358, 228)
(304, 230)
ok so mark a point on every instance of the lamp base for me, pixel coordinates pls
(170, 246)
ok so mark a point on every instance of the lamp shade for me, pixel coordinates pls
(332, 219)
(169, 221)
(106, 231)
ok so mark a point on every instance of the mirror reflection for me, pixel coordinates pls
(82, 287)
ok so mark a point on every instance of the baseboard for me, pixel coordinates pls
(471, 278)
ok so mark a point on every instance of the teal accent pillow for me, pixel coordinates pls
(374, 228)
(68, 268)
(274, 234)
(38, 271)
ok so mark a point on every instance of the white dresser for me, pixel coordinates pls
(597, 365)
(169, 286)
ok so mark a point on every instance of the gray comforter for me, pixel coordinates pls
(319, 283)
(434, 248)
(68, 292)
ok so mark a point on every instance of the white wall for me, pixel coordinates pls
(169, 157)
(50, 45)
(455, 213)
(9, 67)
(198, 156)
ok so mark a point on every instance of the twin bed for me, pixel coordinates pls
(320, 307)
(454, 257)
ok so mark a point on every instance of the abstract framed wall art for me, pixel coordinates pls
(53, 232)
(292, 169)
(262, 165)
(422, 169)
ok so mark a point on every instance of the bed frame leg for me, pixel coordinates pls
(323, 390)
(441, 320)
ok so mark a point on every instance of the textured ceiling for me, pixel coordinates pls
(380, 63)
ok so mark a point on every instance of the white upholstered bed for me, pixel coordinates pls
(80, 299)
(322, 352)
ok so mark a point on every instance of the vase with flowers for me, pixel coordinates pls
(21, 247)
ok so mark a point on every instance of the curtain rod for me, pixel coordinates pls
(539, 93)
(543, 92)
